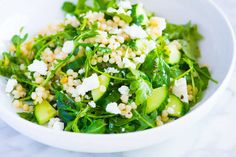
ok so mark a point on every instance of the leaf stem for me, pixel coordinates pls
(140, 117)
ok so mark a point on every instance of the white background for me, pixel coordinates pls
(214, 135)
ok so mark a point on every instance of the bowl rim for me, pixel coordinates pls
(143, 132)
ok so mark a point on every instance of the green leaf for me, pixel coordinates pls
(189, 38)
(17, 40)
(75, 65)
(161, 75)
(68, 7)
(96, 127)
(124, 17)
(66, 107)
(28, 116)
(145, 121)
(104, 50)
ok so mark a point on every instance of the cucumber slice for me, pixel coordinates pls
(97, 93)
(174, 55)
(139, 15)
(44, 112)
(156, 99)
(175, 107)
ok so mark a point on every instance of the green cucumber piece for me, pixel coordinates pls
(97, 93)
(44, 112)
(156, 99)
(174, 55)
(176, 106)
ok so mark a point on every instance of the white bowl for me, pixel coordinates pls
(217, 51)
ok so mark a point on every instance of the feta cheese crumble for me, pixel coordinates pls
(128, 63)
(88, 84)
(39, 67)
(111, 70)
(113, 108)
(124, 90)
(125, 4)
(68, 47)
(135, 32)
(180, 89)
(92, 104)
(146, 45)
(55, 124)
(81, 71)
(11, 84)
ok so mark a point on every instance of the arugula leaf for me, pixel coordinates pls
(17, 42)
(145, 121)
(75, 65)
(97, 126)
(188, 36)
(161, 75)
(104, 50)
(66, 107)
(141, 87)
(68, 7)
(157, 69)
(28, 116)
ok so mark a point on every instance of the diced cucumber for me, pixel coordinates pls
(44, 112)
(139, 15)
(97, 93)
(156, 99)
(173, 53)
(175, 107)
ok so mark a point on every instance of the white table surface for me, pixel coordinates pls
(214, 135)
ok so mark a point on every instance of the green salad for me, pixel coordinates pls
(108, 67)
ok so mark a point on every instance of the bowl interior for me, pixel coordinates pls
(216, 48)
(217, 52)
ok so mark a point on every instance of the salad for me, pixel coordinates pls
(109, 67)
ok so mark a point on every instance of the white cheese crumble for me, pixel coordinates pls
(11, 83)
(59, 126)
(92, 104)
(135, 32)
(140, 59)
(118, 11)
(55, 124)
(113, 108)
(72, 20)
(161, 23)
(170, 110)
(125, 4)
(174, 48)
(180, 89)
(146, 45)
(128, 63)
(68, 46)
(88, 84)
(111, 70)
(39, 67)
(81, 71)
(124, 90)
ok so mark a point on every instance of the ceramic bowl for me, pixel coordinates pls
(217, 52)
